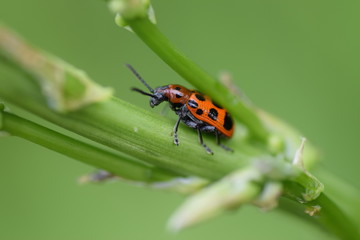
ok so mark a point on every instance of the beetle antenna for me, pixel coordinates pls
(142, 92)
(141, 80)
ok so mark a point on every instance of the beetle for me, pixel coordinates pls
(193, 108)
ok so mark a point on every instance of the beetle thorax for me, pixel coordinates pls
(177, 94)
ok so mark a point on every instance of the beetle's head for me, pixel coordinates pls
(157, 96)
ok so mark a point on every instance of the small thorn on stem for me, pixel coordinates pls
(298, 159)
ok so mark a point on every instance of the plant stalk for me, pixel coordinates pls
(130, 130)
(116, 164)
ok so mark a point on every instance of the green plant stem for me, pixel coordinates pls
(343, 227)
(130, 130)
(329, 217)
(150, 34)
(345, 195)
(81, 151)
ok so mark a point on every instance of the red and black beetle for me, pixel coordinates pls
(195, 109)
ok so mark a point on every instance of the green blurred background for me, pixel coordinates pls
(296, 59)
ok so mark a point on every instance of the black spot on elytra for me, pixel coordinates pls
(213, 114)
(228, 122)
(200, 97)
(193, 104)
(176, 105)
(199, 111)
(217, 105)
(178, 88)
(178, 95)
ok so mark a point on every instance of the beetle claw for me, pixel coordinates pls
(176, 140)
(208, 150)
(226, 148)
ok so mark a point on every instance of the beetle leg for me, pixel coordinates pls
(208, 150)
(208, 128)
(176, 140)
(220, 144)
